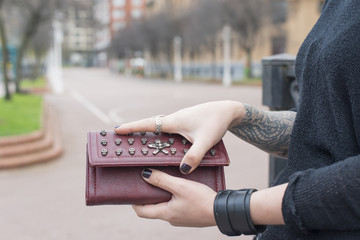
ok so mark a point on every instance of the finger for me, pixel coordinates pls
(193, 157)
(152, 211)
(163, 180)
(144, 125)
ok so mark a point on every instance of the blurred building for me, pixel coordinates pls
(291, 22)
(91, 24)
(112, 16)
(102, 36)
(293, 25)
(79, 30)
(178, 7)
(123, 11)
(301, 17)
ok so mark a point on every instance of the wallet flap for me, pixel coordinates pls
(108, 149)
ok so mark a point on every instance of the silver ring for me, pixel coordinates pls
(158, 123)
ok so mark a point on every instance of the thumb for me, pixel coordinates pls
(194, 156)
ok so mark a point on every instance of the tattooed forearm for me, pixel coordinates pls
(269, 131)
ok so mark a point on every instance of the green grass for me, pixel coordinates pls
(243, 82)
(249, 81)
(33, 83)
(20, 115)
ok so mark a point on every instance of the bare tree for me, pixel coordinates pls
(247, 18)
(201, 25)
(130, 39)
(5, 52)
(199, 28)
(163, 27)
(35, 13)
(155, 34)
(40, 45)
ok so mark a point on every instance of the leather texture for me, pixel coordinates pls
(115, 178)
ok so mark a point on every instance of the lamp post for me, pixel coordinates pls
(54, 71)
(177, 59)
(227, 58)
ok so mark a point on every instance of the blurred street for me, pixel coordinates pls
(47, 201)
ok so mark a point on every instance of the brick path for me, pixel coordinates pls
(46, 201)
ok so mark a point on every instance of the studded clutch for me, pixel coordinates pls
(115, 163)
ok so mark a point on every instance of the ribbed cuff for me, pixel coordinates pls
(289, 208)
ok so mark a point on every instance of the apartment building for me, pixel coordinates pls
(112, 16)
(102, 35)
(123, 11)
(79, 34)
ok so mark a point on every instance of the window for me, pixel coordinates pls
(118, 25)
(82, 14)
(118, 14)
(279, 11)
(118, 3)
(136, 2)
(136, 13)
(278, 45)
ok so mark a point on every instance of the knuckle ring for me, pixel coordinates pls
(158, 123)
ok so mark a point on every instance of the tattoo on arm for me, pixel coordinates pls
(269, 131)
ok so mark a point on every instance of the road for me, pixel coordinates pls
(46, 201)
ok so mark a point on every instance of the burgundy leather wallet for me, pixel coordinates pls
(115, 163)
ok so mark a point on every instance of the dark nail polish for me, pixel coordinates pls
(146, 173)
(185, 168)
(117, 127)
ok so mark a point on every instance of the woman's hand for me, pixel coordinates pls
(203, 125)
(191, 204)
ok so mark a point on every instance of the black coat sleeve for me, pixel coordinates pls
(327, 198)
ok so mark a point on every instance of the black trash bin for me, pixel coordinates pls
(280, 92)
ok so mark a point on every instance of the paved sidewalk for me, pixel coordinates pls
(46, 201)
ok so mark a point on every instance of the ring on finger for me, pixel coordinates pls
(158, 123)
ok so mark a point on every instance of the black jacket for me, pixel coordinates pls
(323, 197)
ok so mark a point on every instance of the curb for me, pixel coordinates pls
(39, 146)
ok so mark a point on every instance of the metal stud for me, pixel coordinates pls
(103, 133)
(118, 141)
(144, 141)
(131, 141)
(171, 141)
(132, 151)
(118, 151)
(143, 133)
(145, 151)
(159, 146)
(212, 152)
(103, 142)
(173, 151)
(186, 150)
(104, 152)
(184, 141)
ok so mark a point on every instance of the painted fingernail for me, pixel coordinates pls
(185, 168)
(146, 173)
(117, 127)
